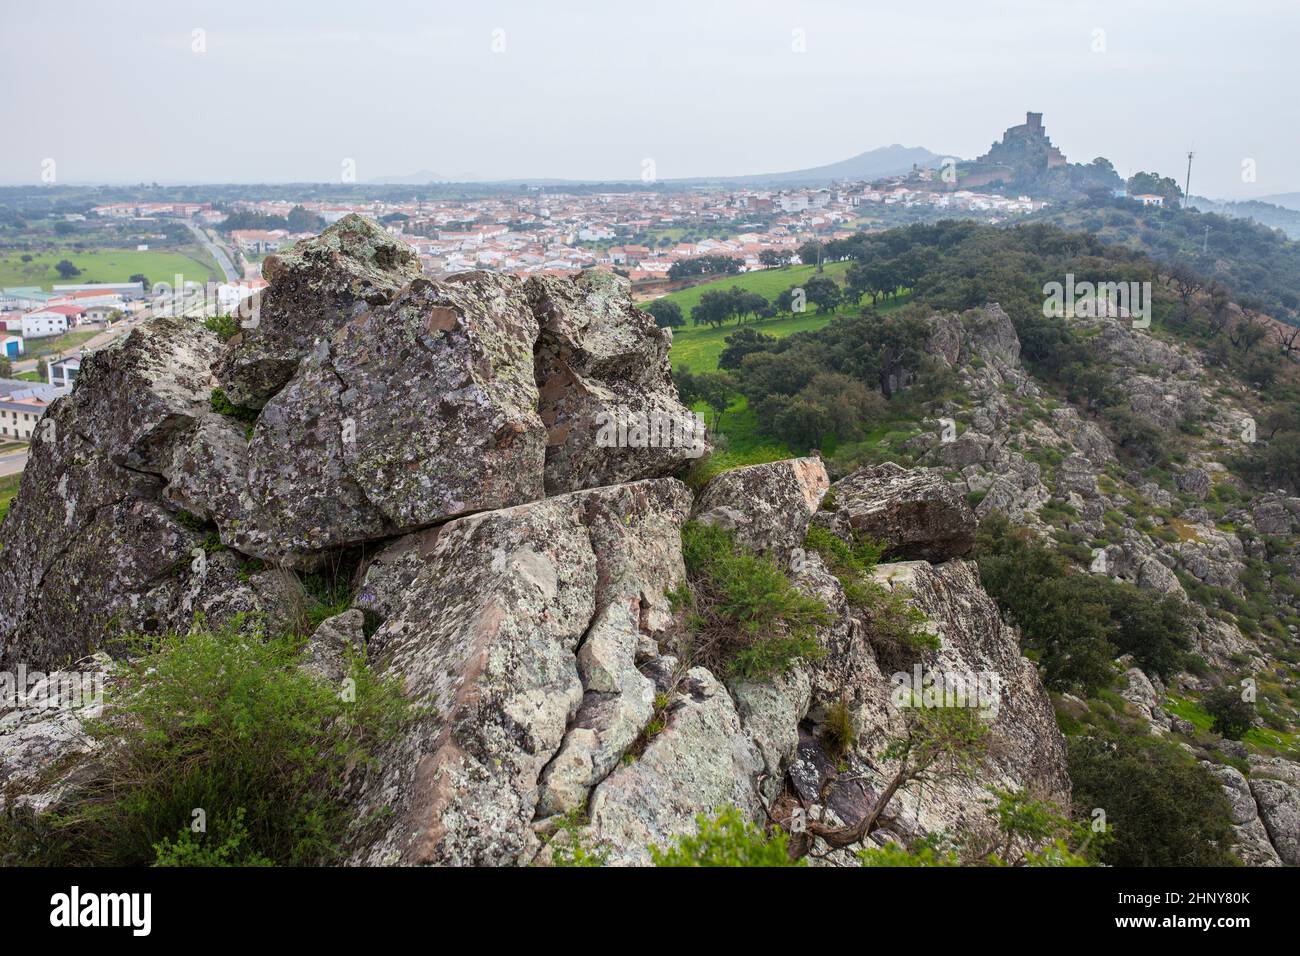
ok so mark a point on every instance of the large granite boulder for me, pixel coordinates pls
(315, 288)
(768, 506)
(94, 545)
(914, 514)
(412, 413)
(607, 398)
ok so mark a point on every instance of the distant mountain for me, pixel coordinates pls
(1274, 214)
(873, 164)
(1285, 200)
(420, 178)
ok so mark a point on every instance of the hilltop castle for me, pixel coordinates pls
(1024, 152)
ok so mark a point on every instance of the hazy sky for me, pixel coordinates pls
(290, 89)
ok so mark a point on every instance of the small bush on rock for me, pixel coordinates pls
(223, 726)
(746, 616)
(726, 840)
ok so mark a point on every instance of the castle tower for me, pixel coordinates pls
(1034, 121)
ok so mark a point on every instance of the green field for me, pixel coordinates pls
(8, 491)
(107, 265)
(54, 344)
(698, 348)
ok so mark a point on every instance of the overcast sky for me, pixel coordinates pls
(290, 89)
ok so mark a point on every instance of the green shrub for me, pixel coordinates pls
(1162, 807)
(1023, 831)
(191, 849)
(1233, 714)
(745, 614)
(226, 722)
(1077, 622)
(726, 840)
(569, 846)
(226, 326)
(224, 406)
(895, 627)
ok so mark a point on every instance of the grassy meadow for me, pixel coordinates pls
(106, 265)
(699, 347)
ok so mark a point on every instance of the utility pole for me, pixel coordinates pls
(1187, 186)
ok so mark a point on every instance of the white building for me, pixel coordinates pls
(44, 323)
(64, 372)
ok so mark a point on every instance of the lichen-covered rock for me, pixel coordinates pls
(334, 642)
(410, 414)
(767, 506)
(315, 288)
(94, 544)
(493, 634)
(607, 397)
(1026, 749)
(1252, 843)
(699, 763)
(1275, 785)
(914, 514)
(390, 572)
(44, 747)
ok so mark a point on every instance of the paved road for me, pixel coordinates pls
(217, 252)
(13, 462)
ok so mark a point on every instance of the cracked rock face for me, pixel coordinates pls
(518, 563)
(607, 399)
(92, 546)
(522, 631)
(767, 506)
(315, 288)
(1275, 785)
(388, 404)
(44, 750)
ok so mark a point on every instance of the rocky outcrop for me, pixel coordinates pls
(368, 404)
(1275, 785)
(95, 544)
(522, 632)
(913, 514)
(1252, 844)
(315, 289)
(767, 506)
(410, 414)
(607, 399)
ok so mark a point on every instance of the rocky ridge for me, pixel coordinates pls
(1016, 451)
(441, 438)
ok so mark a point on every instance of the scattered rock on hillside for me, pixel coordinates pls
(767, 506)
(914, 514)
